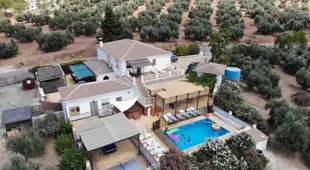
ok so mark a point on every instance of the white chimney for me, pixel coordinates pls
(254, 125)
(100, 42)
(230, 113)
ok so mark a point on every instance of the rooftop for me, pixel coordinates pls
(98, 66)
(211, 68)
(50, 72)
(101, 132)
(16, 115)
(127, 49)
(80, 91)
(257, 135)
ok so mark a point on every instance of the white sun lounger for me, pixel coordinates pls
(181, 112)
(179, 116)
(172, 117)
(167, 119)
(190, 112)
(196, 111)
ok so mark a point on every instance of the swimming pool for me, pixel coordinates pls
(194, 133)
(81, 70)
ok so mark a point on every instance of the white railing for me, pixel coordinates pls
(161, 75)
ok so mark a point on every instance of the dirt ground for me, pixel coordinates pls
(50, 156)
(288, 85)
(29, 54)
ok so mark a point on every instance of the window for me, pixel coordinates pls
(105, 102)
(119, 99)
(75, 110)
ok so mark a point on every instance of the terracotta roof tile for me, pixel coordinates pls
(127, 49)
(92, 89)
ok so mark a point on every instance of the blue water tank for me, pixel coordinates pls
(232, 73)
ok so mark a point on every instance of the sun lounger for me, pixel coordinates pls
(179, 116)
(189, 111)
(167, 119)
(172, 117)
(196, 111)
(185, 114)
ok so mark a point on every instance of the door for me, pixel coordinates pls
(93, 107)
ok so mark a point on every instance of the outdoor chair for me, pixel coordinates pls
(179, 116)
(167, 119)
(172, 117)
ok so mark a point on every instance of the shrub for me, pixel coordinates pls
(293, 134)
(3, 24)
(28, 34)
(186, 50)
(54, 41)
(174, 159)
(302, 98)
(63, 142)
(205, 80)
(20, 18)
(303, 78)
(65, 127)
(8, 50)
(240, 143)
(72, 159)
(18, 162)
(30, 144)
(48, 126)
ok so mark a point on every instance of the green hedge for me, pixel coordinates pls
(186, 50)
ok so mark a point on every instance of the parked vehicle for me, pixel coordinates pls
(191, 67)
(174, 58)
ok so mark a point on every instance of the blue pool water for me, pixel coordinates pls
(80, 70)
(195, 133)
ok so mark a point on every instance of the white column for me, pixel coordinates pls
(170, 73)
(156, 75)
(142, 78)
(134, 80)
(182, 70)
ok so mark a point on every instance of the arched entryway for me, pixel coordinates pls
(106, 78)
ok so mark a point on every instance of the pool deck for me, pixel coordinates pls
(232, 130)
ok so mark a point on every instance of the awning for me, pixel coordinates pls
(139, 63)
(107, 130)
(124, 105)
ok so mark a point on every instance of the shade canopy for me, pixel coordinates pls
(124, 105)
(211, 68)
(107, 130)
(139, 62)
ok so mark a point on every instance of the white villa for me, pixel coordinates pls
(85, 100)
(132, 56)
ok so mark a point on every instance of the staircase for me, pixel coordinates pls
(145, 96)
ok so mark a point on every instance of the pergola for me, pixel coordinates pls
(105, 131)
(174, 91)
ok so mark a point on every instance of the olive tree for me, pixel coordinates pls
(54, 41)
(303, 78)
(29, 143)
(8, 50)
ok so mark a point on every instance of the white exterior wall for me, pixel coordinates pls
(84, 104)
(219, 79)
(262, 145)
(110, 75)
(162, 62)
